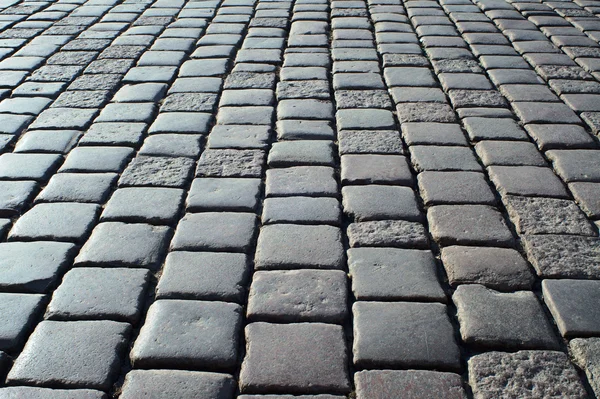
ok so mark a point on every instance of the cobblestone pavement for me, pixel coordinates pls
(370, 199)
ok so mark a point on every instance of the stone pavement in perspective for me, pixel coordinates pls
(367, 199)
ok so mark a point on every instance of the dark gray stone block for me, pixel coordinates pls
(587, 196)
(387, 233)
(369, 142)
(230, 163)
(144, 204)
(455, 188)
(223, 194)
(301, 152)
(493, 129)
(157, 172)
(301, 180)
(527, 181)
(48, 393)
(367, 168)
(14, 195)
(18, 314)
(509, 153)
(78, 187)
(571, 302)
(576, 165)
(301, 210)
(97, 159)
(586, 355)
(377, 202)
(443, 158)
(408, 384)
(173, 145)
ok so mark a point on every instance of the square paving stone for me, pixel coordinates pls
(230, 163)
(28, 166)
(524, 374)
(48, 393)
(196, 334)
(571, 302)
(14, 195)
(294, 358)
(301, 210)
(223, 194)
(404, 334)
(547, 216)
(78, 187)
(298, 295)
(157, 172)
(550, 137)
(122, 244)
(66, 221)
(586, 355)
(97, 159)
(376, 202)
(72, 354)
(203, 275)
(301, 180)
(394, 274)
(290, 246)
(493, 129)
(587, 196)
(33, 266)
(527, 181)
(443, 158)
(18, 314)
(498, 268)
(487, 319)
(369, 142)
(576, 165)
(387, 233)
(367, 168)
(301, 152)
(167, 384)
(408, 384)
(509, 153)
(468, 225)
(215, 231)
(144, 204)
(455, 188)
(99, 294)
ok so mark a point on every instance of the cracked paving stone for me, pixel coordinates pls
(298, 295)
(547, 216)
(75, 354)
(408, 384)
(527, 181)
(501, 269)
(387, 233)
(215, 231)
(18, 314)
(48, 393)
(376, 202)
(394, 274)
(165, 384)
(157, 172)
(230, 163)
(468, 225)
(369, 142)
(144, 204)
(127, 245)
(56, 221)
(99, 294)
(586, 354)
(403, 334)
(571, 304)
(524, 374)
(443, 188)
(204, 275)
(296, 358)
(194, 334)
(487, 320)
(288, 246)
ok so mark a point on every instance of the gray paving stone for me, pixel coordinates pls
(305, 109)
(57, 221)
(181, 122)
(362, 99)
(14, 195)
(97, 159)
(524, 374)
(304, 129)
(403, 334)
(487, 319)
(409, 384)
(288, 246)
(432, 133)
(78, 187)
(173, 145)
(585, 353)
(569, 302)
(527, 180)
(468, 225)
(369, 142)
(144, 204)
(230, 163)
(157, 172)
(99, 294)
(298, 295)
(48, 393)
(532, 112)
(122, 244)
(509, 153)
(223, 194)
(547, 216)
(64, 118)
(376, 202)
(114, 134)
(501, 269)
(493, 129)
(443, 158)
(28, 166)
(301, 180)
(295, 358)
(188, 333)
(215, 231)
(143, 92)
(455, 188)
(371, 118)
(164, 384)
(290, 396)
(425, 112)
(550, 137)
(387, 233)
(301, 210)
(51, 141)
(77, 354)
(587, 197)
(204, 276)
(576, 165)
(374, 168)
(394, 274)
(301, 152)
(18, 314)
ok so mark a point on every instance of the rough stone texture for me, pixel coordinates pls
(586, 354)
(47, 393)
(410, 384)
(375, 202)
(230, 163)
(524, 374)
(157, 172)
(74, 354)
(295, 358)
(387, 233)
